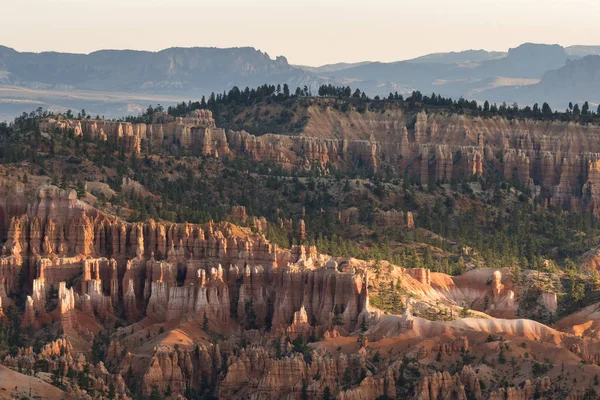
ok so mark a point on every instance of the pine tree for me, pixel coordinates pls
(578, 292)
(585, 110)
(80, 189)
(546, 110)
(111, 391)
(501, 356)
(205, 323)
(576, 111)
(427, 257)
(63, 183)
(464, 312)
(304, 390)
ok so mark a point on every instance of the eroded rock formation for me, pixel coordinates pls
(559, 162)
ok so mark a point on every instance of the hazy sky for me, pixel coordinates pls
(311, 32)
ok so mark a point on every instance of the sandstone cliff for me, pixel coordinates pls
(168, 270)
(559, 162)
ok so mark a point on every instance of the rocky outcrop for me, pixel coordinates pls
(258, 371)
(165, 373)
(66, 307)
(441, 385)
(372, 388)
(188, 132)
(393, 217)
(274, 296)
(464, 385)
(460, 344)
(526, 391)
(422, 275)
(58, 359)
(550, 301)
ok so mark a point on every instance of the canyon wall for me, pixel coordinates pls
(559, 162)
(100, 264)
(78, 266)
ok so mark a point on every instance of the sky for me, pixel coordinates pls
(308, 32)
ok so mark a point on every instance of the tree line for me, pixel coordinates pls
(415, 100)
(282, 92)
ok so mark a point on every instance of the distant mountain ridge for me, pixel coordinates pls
(513, 76)
(582, 51)
(466, 56)
(528, 61)
(120, 82)
(174, 70)
(578, 81)
(332, 67)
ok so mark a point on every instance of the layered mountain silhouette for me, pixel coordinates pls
(117, 82)
(469, 73)
(174, 70)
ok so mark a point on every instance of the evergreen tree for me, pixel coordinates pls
(304, 390)
(80, 189)
(585, 110)
(155, 394)
(546, 110)
(205, 323)
(64, 183)
(576, 111)
(111, 391)
(250, 315)
(578, 292)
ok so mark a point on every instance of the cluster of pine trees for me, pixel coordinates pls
(236, 96)
(416, 99)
